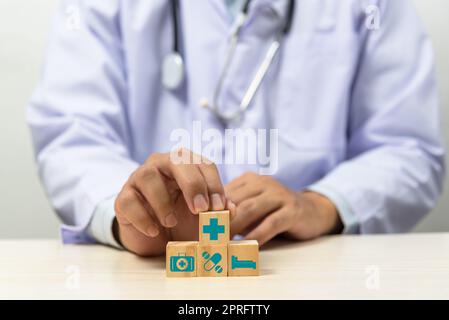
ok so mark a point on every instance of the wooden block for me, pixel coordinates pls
(212, 261)
(214, 227)
(181, 258)
(243, 258)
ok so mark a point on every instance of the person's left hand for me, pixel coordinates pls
(266, 208)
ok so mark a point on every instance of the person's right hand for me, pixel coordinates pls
(161, 200)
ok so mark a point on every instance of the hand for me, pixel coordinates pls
(160, 200)
(266, 208)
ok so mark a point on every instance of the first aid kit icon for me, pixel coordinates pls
(182, 263)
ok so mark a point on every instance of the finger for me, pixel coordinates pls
(270, 227)
(234, 185)
(215, 187)
(137, 242)
(189, 180)
(150, 182)
(129, 207)
(254, 209)
(245, 191)
(232, 209)
(125, 195)
(193, 187)
(240, 181)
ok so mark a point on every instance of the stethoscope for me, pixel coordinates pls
(173, 64)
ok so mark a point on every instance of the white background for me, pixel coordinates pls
(24, 25)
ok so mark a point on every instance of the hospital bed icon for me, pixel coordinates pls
(242, 264)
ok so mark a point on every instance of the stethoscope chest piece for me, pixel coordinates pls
(172, 71)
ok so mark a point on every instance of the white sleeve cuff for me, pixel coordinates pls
(349, 219)
(100, 227)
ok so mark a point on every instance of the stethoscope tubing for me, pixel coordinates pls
(258, 77)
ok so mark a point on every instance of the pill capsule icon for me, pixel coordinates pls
(212, 262)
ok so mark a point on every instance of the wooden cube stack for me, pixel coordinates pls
(214, 255)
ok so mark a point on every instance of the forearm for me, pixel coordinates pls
(320, 217)
(326, 210)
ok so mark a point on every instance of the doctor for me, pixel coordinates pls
(348, 84)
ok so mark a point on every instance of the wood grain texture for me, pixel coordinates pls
(243, 258)
(181, 259)
(408, 267)
(208, 220)
(208, 263)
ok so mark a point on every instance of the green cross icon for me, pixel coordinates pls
(182, 264)
(213, 229)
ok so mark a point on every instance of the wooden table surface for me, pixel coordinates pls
(341, 267)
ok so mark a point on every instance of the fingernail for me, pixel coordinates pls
(153, 231)
(217, 202)
(200, 203)
(171, 221)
